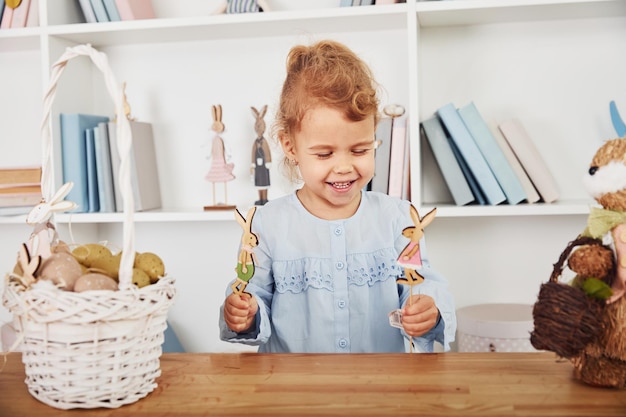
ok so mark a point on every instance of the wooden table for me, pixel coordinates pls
(439, 384)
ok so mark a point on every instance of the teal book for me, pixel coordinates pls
(111, 9)
(471, 154)
(447, 162)
(479, 197)
(92, 173)
(74, 155)
(104, 171)
(99, 10)
(493, 154)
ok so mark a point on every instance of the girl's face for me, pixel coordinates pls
(336, 161)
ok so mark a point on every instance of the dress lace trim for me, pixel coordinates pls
(298, 275)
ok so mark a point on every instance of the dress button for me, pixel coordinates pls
(339, 265)
(341, 303)
(338, 231)
(343, 343)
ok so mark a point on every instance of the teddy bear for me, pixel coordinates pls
(602, 262)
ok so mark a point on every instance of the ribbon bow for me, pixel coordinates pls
(601, 221)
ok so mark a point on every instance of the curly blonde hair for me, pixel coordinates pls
(326, 73)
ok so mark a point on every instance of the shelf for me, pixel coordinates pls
(559, 208)
(474, 12)
(232, 26)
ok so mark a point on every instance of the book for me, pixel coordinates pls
(92, 175)
(471, 154)
(492, 153)
(99, 10)
(74, 155)
(15, 210)
(532, 196)
(446, 160)
(33, 14)
(85, 6)
(20, 14)
(21, 189)
(396, 156)
(20, 199)
(479, 197)
(530, 158)
(111, 9)
(143, 167)
(106, 194)
(20, 175)
(135, 9)
(380, 181)
(345, 3)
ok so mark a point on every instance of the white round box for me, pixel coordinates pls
(495, 328)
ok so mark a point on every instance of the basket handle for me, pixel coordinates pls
(124, 139)
(579, 241)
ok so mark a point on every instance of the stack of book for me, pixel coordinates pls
(391, 174)
(116, 10)
(486, 166)
(91, 160)
(20, 189)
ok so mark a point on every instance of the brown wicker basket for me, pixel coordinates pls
(565, 318)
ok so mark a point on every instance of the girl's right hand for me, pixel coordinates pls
(239, 312)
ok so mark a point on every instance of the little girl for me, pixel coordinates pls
(325, 277)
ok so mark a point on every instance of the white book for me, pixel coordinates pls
(532, 196)
(144, 173)
(530, 158)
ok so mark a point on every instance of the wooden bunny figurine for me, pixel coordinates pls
(245, 261)
(220, 170)
(410, 258)
(261, 157)
(44, 233)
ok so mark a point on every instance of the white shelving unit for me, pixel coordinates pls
(554, 64)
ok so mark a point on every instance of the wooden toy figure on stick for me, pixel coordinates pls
(261, 157)
(410, 258)
(220, 170)
(245, 261)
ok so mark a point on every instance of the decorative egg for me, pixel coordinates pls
(95, 281)
(62, 269)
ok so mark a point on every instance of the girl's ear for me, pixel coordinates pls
(288, 144)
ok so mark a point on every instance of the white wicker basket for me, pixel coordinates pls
(95, 348)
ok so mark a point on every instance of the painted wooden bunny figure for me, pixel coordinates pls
(411, 258)
(44, 233)
(220, 170)
(245, 261)
(261, 157)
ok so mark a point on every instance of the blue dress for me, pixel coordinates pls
(329, 285)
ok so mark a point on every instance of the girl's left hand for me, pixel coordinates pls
(419, 315)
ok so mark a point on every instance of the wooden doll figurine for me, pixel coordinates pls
(242, 6)
(245, 261)
(261, 157)
(220, 170)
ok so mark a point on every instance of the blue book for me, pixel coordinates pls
(479, 197)
(493, 154)
(471, 154)
(106, 194)
(92, 173)
(99, 10)
(111, 9)
(74, 155)
(447, 162)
